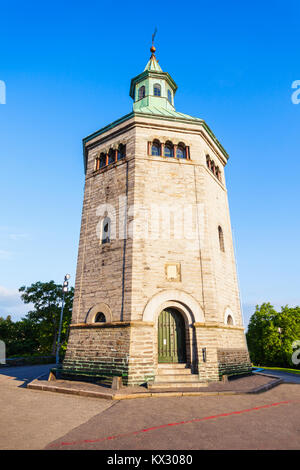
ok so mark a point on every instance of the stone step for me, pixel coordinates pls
(172, 365)
(175, 385)
(173, 371)
(176, 378)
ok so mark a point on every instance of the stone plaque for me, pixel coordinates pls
(172, 271)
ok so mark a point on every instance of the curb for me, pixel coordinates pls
(284, 380)
(161, 394)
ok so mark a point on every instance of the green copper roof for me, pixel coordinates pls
(153, 65)
(153, 88)
(159, 111)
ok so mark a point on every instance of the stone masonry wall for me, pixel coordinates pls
(103, 350)
(207, 273)
(104, 270)
(225, 349)
(233, 361)
(141, 363)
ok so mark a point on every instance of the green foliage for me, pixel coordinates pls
(267, 345)
(37, 332)
(20, 337)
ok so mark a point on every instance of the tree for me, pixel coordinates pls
(271, 334)
(21, 338)
(46, 298)
(7, 333)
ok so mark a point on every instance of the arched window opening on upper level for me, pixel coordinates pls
(181, 151)
(99, 318)
(111, 156)
(105, 235)
(155, 149)
(102, 160)
(214, 169)
(142, 92)
(229, 320)
(157, 89)
(121, 152)
(169, 149)
(169, 96)
(221, 238)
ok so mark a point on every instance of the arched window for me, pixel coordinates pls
(102, 160)
(180, 152)
(221, 238)
(229, 320)
(121, 151)
(208, 162)
(105, 236)
(212, 166)
(155, 149)
(169, 149)
(157, 89)
(169, 96)
(111, 156)
(100, 318)
(142, 92)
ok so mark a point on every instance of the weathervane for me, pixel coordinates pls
(153, 49)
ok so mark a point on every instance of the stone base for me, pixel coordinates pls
(98, 352)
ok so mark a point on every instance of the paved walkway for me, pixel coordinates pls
(265, 421)
(33, 419)
(286, 376)
(30, 419)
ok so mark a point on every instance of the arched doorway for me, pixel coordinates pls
(171, 336)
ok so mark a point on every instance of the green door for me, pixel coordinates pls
(171, 336)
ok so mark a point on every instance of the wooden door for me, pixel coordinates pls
(171, 336)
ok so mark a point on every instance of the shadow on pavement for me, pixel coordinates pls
(26, 374)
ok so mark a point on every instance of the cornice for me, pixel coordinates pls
(114, 324)
(207, 135)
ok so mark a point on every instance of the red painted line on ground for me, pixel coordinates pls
(155, 428)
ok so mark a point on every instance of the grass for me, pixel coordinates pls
(293, 371)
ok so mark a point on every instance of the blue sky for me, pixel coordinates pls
(67, 68)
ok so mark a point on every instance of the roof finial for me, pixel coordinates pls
(153, 49)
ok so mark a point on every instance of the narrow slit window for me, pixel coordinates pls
(221, 239)
(105, 238)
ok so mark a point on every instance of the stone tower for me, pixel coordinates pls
(156, 293)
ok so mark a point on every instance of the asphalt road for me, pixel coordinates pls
(35, 420)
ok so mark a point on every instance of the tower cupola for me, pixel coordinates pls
(153, 88)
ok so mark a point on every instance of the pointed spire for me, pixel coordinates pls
(153, 62)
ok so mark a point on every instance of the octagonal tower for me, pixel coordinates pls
(156, 293)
